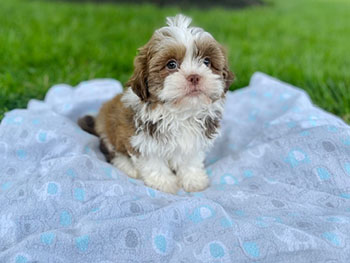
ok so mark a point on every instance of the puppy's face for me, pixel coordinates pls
(182, 66)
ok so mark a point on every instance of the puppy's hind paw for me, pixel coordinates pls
(123, 163)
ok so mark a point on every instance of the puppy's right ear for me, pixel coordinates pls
(138, 81)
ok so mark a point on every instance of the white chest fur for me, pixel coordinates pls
(165, 131)
(172, 137)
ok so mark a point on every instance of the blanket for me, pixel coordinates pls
(279, 191)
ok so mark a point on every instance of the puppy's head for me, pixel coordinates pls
(181, 65)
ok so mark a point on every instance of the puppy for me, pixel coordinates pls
(161, 126)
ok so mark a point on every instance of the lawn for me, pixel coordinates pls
(303, 42)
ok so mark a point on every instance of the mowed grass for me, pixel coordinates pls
(303, 42)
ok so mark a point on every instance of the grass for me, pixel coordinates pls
(303, 42)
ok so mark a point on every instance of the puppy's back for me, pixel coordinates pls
(115, 125)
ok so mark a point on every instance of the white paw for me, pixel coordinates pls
(124, 164)
(163, 182)
(194, 181)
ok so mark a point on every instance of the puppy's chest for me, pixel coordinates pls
(171, 135)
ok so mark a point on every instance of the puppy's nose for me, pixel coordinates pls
(194, 79)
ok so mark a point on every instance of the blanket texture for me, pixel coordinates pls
(280, 186)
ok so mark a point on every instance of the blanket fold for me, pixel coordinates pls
(280, 186)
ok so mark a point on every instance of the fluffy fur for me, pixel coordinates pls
(160, 128)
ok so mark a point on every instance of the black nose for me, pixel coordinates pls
(194, 79)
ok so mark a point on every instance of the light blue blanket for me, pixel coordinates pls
(280, 186)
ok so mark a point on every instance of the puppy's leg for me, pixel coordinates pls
(118, 159)
(156, 174)
(124, 163)
(191, 172)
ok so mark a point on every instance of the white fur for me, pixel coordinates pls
(182, 143)
(190, 171)
(179, 21)
(179, 28)
(176, 85)
(124, 163)
(182, 129)
(156, 173)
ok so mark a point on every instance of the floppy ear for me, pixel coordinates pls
(227, 75)
(138, 81)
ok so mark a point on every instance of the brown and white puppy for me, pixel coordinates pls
(160, 128)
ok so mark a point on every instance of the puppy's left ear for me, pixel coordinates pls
(227, 75)
(138, 81)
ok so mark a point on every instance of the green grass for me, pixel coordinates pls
(303, 42)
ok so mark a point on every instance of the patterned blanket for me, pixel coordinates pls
(280, 186)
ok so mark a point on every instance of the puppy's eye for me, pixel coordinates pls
(206, 62)
(172, 64)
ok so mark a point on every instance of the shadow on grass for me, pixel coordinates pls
(182, 3)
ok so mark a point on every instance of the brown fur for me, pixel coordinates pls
(87, 123)
(149, 127)
(212, 125)
(103, 148)
(157, 65)
(218, 57)
(227, 74)
(150, 68)
(115, 122)
(138, 81)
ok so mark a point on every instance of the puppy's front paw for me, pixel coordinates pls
(163, 182)
(195, 181)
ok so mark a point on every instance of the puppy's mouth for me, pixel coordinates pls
(194, 93)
